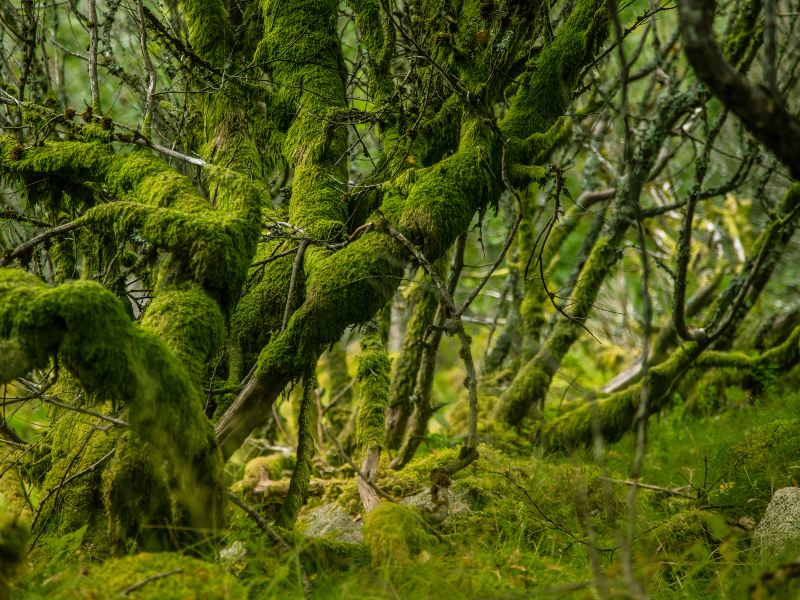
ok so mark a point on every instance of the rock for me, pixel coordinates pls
(451, 502)
(778, 533)
(333, 521)
(233, 553)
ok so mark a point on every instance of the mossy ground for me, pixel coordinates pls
(529, 531)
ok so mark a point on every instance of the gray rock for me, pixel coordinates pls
(452, 503)
(331, 520)
(778, 533)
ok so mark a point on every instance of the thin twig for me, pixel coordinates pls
(146, 580)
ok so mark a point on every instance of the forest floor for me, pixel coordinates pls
(514, 524)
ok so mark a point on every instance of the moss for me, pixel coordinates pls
(13, 495)
(312, 84)
(680, 532)
(189, 323)
(373, 377)
(377, 34)
(413, 478)
(749, 471)
(712, 390)
(13, 360)
(213, 246)
(162, 576)
(86, 325)
(210, 32)
(339, 386)
(548, 91)
(270, 467)
(137, 499)
(612, 416)
(76, 445)
(13, 551)
(301, 475)
(422, 303)
(341, 290)
(394, 534)
(259, 313)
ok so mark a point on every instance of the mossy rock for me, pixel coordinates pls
(412, 479)
(161, 576)
(751, 470)
(270, 467)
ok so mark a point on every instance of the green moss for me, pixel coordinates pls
(413, 478)
(373, 377)
(13, 551)
(212, 246)
(394, 534)
(13, 360)
(422, 303)
(750, 471)
(163, 576)
(301, 475)
(687, 528)
(377, 35)
(339, 386)
(548, 91)
(694, 546)
(189, 323)
(259, 313)
(86, 325)
(210, 32)
(13, 499)
(264, 467)
(76, 445)
(312, 84)
(612, 416)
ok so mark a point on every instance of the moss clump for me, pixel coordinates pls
(373, 376)
(549, 89)
(412, 479)
(301, 475)
(77, 443)
(190, 323)
(13, 550)
(422, 302)
(750, 471)
(165, 576)
(693, 546)
(264, 467)
(688, 528)
(13, 360)
(394, 534)
(86, 325)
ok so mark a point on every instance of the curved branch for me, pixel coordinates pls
(762, 111)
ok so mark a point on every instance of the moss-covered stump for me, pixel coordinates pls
(751, 470)
(161, 576)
